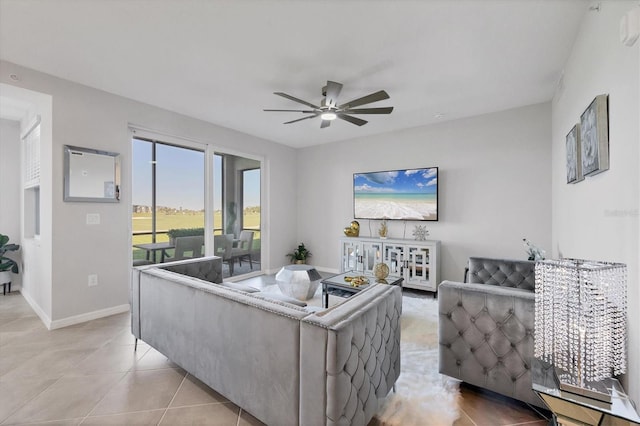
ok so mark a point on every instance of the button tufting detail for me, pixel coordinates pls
(492, 328)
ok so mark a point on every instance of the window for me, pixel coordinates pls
(168, 199)
(167, 193)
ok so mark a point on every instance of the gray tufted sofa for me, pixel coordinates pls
(486, 327)
(282, 363)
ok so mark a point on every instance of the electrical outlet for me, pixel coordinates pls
(93, 218)
(93, 280)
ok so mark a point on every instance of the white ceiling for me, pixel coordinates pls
(221, 60)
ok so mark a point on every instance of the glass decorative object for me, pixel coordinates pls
(580, 322)
(381, 271)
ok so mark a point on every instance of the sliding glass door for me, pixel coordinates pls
(169, 206)
(236, 194)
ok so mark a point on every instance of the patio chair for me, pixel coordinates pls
(223, 245)
(244, 248)
(188, 247)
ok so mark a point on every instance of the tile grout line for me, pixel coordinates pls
(468, 416)
(105, 394)
(29, 400)
(173, 398)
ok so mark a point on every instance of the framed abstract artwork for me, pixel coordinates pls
(574, 156)
(594, 136)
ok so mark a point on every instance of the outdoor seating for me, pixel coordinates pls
(188, 247)
(243, 250)
(223, 246)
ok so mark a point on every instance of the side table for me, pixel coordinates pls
(575, 410)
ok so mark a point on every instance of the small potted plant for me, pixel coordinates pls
(7, 265)
(299, 255)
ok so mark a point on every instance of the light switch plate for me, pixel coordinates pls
(93, 218)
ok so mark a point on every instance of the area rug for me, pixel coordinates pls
(423, 396)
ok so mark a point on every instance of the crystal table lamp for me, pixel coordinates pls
(581, 322)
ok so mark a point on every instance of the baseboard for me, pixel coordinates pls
(77, 319)
(37, 309)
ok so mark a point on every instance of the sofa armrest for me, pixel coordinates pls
(486, 337)
(350, 357)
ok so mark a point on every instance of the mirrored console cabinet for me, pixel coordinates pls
(418, 262)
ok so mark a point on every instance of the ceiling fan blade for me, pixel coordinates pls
(300, 119)
(325, 123)
(332, 90)
(354, 120)
(305, 111)
(300, 101)
(373, 97)
(385, 110)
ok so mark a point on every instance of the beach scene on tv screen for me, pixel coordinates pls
(399, 194)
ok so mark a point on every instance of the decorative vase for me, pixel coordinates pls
(300, 262)
(381, 271)
(353, 230)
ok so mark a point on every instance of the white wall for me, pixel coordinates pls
(86, 117)
(9, 173)
(36, 252)
(494, 179)
(598, 217)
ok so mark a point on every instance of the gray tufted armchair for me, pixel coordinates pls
(486, 327)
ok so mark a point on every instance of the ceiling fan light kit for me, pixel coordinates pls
(329, 109)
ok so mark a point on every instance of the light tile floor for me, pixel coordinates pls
(89, 374)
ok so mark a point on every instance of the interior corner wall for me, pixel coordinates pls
(10, 172)
(86, 117)
(36, 253)
(598, 217)
(494, 186)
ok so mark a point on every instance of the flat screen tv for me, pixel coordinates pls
(410, 194)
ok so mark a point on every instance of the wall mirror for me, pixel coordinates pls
(91, 175)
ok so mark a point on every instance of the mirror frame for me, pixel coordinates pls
(68, 149)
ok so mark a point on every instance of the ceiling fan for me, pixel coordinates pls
(329, 109)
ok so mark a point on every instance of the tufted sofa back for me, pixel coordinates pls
(502, 272)
(204, 268)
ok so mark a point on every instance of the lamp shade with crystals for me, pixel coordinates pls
(581, 321)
